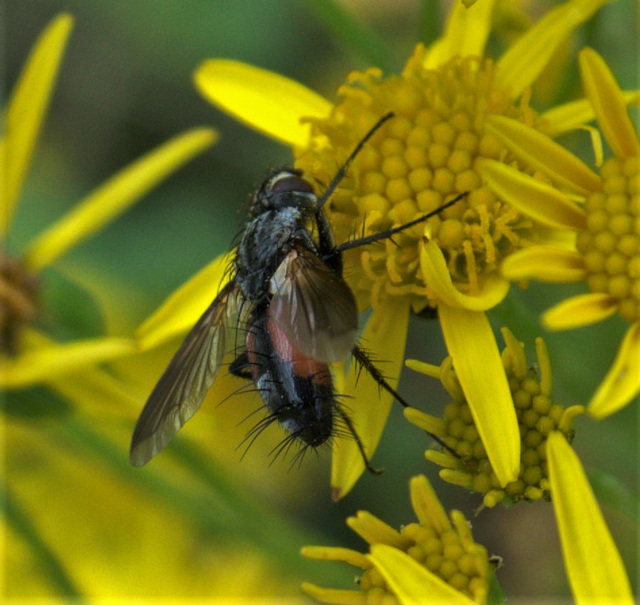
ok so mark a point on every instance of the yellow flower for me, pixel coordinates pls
(432, 150)
(593, 564)
(27, 356)
(81, 522)
(606, 256)
(435, 556)
(537, 415)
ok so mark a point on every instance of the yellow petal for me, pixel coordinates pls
(410, 581)
(578, 311)
(436, 274)
(609, 104)
(116, 195)
(334, 595)
(544, 263)
(41, 362)
(478, 365)
(542, 202)
(622, 383)
(181, 310)
(592, 561)
(519, 67)
(426, 505)
(368, 406)
(26, 111)
(570, 116)
(375, 531)
(336, 553)
(99, 393)
(261, 99)
(541, 152)
(465, 35)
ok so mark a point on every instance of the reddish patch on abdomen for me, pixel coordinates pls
(305, 367)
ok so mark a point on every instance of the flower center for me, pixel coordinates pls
(460, 562)
(537, 416)
(611, 243)
(18, 301)
(428, 153)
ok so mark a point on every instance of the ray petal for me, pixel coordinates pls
(465, 34)
(593, 563)
(411, 581)
(622, 383)
(546, 264)
(115, 196)
(609, 104)
(436, 274)
(334, 595)
(519, 67)
(581, 310)
(42, 361)
(26, 111)
(261, 99)
(572, 115)
(368, 406)
(478, 365)
(541, 152)
(183, 308)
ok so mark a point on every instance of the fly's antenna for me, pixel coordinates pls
(343, 169)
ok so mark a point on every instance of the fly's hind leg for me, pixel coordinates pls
(363, 359)
(241, 366)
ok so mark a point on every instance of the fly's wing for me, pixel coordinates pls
(313, 306)
(184, 384)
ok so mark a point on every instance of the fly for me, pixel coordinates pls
(298, 314)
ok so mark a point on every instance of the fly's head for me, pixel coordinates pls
(284, 188)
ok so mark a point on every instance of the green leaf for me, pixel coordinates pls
(496, 594)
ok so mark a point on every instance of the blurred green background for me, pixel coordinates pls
(188, 527)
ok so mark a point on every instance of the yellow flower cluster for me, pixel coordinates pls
(538, 416)
(462, 122)
(611, 243)
(431, 151)
(449, 560)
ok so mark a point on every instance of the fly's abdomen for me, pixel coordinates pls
(297, 390)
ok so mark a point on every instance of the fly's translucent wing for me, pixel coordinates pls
(313, 306)
(184, 384)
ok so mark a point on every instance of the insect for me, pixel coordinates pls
(297, 315)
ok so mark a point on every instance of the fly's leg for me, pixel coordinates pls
(241, 366)
(361, 357)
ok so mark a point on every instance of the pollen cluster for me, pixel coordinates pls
(611, 243)
(427, 154)
(537, 416)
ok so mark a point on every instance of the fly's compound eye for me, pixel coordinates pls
(290, 183)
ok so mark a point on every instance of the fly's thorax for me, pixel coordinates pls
(266, 241)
